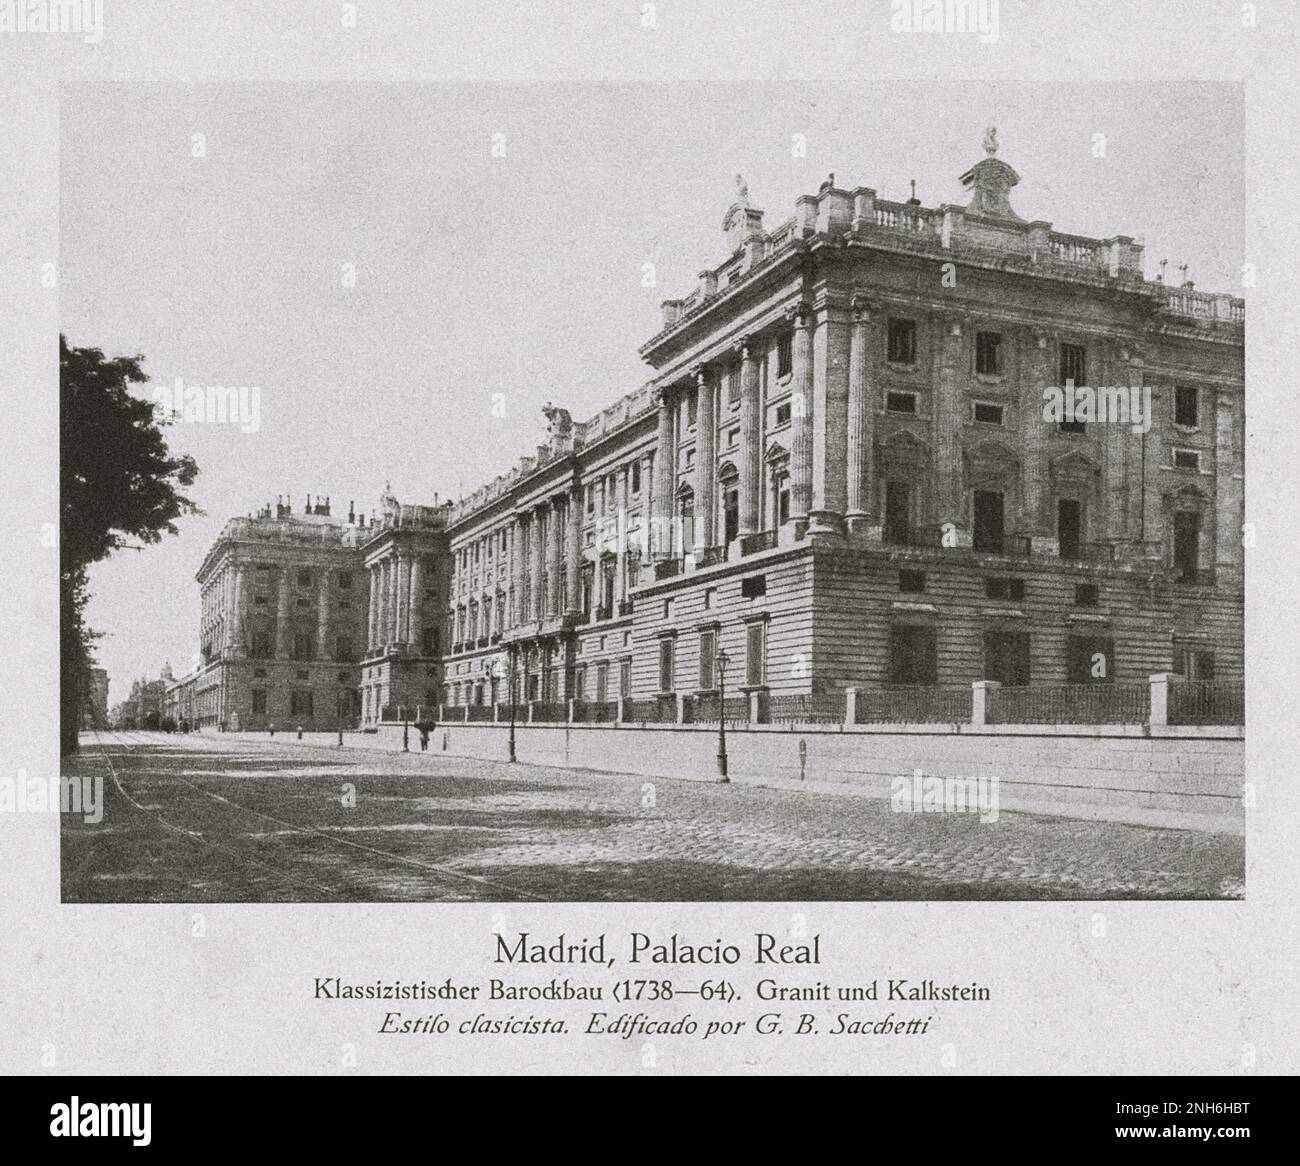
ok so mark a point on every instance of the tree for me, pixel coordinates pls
(119, 486)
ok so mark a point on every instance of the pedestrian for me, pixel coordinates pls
(271, 726)
(424, 738)
(299, 732)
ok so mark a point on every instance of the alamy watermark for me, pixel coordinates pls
(84, 17)
(977, 16)
(1112, 405)
(71, 794)
(213, 404)
(919, 794)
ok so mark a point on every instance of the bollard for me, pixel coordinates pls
(299, 732)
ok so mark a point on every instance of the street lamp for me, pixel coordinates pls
(722, 660)
(510, 692)
(339, 704)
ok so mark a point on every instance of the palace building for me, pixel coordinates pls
(846, 471)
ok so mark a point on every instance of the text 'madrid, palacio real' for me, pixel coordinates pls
(883, 445)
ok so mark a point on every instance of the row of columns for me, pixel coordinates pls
(396, 600)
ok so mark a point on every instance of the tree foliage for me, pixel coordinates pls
(119, 486)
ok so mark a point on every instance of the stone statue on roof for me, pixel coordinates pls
(559, 423)
(991, 141)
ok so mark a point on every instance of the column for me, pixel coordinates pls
(573, 556)
(415, 616)
(949, 415)
(555, 557)
(706, 460)
(324, 649)
(620, 540)
(859, 445)
(390, 601)
(751, 439)
(537, 537)
(1038, 375)
(240, 611)
(830, 350)
(372, 624)
(283, 614)
(801, 405)
(1229, 512)
(1118, 444)
(404, 598)
(662, 498)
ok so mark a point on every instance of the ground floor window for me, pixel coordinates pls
(299, 703)
(259, 701)
(1194, 663)
(756, 653)
(666, 665)
(913, 655)
(1006, 658)
(1089, 659)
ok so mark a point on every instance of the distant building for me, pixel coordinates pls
(293, 604)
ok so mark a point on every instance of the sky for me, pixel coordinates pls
(407, 272)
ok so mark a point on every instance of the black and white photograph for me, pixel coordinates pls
(650, 540)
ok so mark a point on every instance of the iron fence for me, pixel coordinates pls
(552, 712)
(914, 705)
(1207, 702)
(827, 709)
(708, 709)
(659, 710)
(595, 712)
(1070, 704)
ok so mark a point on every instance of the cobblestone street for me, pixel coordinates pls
(221, 819)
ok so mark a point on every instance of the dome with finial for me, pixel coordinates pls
(990, 181)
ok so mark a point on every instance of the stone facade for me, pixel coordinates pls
(845, 473)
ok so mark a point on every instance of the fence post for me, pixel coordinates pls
(681, 708)
(570, 712)
(755, 709)
(496, 712)
(1159, 699)
(979, 702)
(621, 715)
(850, 706)
(442, 711)
(530, 711)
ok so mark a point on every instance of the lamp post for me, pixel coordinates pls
(510, 696)
(339, 704)
(406, 729)
(722, 660)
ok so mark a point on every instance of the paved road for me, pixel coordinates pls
(222, 819)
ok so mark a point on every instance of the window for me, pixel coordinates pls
(302, 647)
(730, 513)
(1073, 365)
(710, 598)
(259, 701)
(900, 402)
(299, 703)
(1194, 663)
(756, 653)
(625, 679)
(1069, 527)
(345, 580)
(913, 658)
(259, 673)
(344, 648)
(692, 407)
(261, 646)
(1006, 657)
(911, 582)
(301, 674)
(988, 521)
(902, 342)
(636, 477)
(1186, 406)
(987, 414)
(602, 683)
(665, 665)
(304, 578)
(1187, 545)
(785, 355)
(1004, 588)
(897, 524)
(1087, 595)
(1187, 459)
(304, 601)
(781, 487)
(782, 414)
(1089, 659)
(988, 353)
(668, 609)
(259, 600)
(580, 682)
(708, 652)
(733, 437)
(591, 499)
(753, 587)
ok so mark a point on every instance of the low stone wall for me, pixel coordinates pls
(1174, 777)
